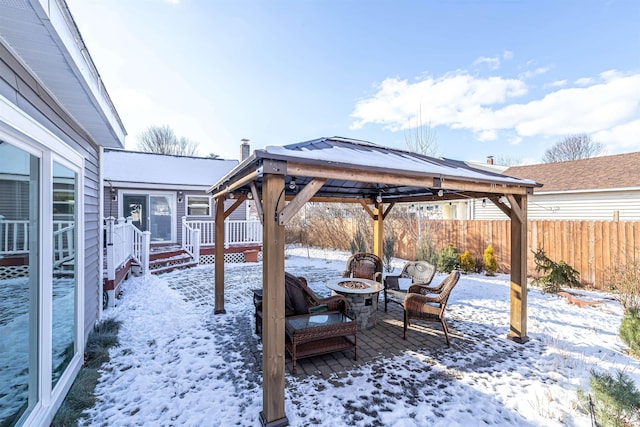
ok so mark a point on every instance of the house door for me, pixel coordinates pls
(136, 206)
(152, 212)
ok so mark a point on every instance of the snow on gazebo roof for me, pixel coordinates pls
(373, 169)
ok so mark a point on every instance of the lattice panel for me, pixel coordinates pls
(13, 271)
(231, 257)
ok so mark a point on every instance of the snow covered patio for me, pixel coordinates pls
(179, 364)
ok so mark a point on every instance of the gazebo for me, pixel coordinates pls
(343, 170)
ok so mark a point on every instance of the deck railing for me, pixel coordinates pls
(124, 242)
(236, 232)
(14, 239)
(64, 248)
(191, 240)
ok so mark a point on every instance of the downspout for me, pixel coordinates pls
(100, 230)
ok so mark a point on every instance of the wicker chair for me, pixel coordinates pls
(364, 265)
(299, 299)
(420, 273)
(425, 303)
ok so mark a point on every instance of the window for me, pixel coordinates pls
(198, 206)
(41, 278)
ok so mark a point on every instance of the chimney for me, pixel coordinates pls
(489, 160)
(245, 149)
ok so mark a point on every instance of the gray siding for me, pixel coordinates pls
(588, 206)
(111, 207)
(19, 87)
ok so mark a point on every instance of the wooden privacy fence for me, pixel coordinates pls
(591, 247)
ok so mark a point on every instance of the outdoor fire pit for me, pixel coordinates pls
(353, 285)
(362, 299)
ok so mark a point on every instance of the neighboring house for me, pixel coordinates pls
(55, 119)
(598, 188)
(158, 190)
(455, 209)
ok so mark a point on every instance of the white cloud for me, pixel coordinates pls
(492, 62)
(624, 136)
(532, 73)
(557, 83)
(585, 81)
(609, 109)
(454, 100)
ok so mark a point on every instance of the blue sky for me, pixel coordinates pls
(502, 78)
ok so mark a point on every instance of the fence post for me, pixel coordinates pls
(184, 232)
(146, 249)
(226, 234)
(2, 246)
(111, 267)
(195, 238)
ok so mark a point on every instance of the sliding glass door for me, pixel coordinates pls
(19, 291)
(152, 212)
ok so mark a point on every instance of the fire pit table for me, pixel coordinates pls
(362, 299)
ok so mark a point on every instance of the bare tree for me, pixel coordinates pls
(162, 140)
(421, 138)
(507, 161)
(573, 147)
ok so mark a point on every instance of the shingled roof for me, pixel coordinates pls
(606, 172)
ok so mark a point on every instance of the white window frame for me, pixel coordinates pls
(186, 206)
(22, 131)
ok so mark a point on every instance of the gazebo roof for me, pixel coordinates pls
(356, 169)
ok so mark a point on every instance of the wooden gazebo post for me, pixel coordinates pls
(518, 322)
(378, 229)
(219, 257)
(273, 333)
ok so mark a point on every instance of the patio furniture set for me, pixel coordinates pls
(315, 326)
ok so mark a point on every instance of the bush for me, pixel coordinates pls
(448, 259)
(555, 274)
(630, 330)
(467, 263)
(81, 395)
(490, 261)
(616, 401)
(625, 280)
(426, 252)
(388, 250)
(478, 266)
(358, 244)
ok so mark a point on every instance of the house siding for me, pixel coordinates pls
(573, 206)
(21, 89)
(111, 207)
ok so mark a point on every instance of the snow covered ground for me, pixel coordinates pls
(177, 364)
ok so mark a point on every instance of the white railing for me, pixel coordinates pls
(64, 248)
(14, 237)
(191, 240)
(235, 232)
(125, 241)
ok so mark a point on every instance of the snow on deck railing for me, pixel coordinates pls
(236, 232)
(125, 241)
